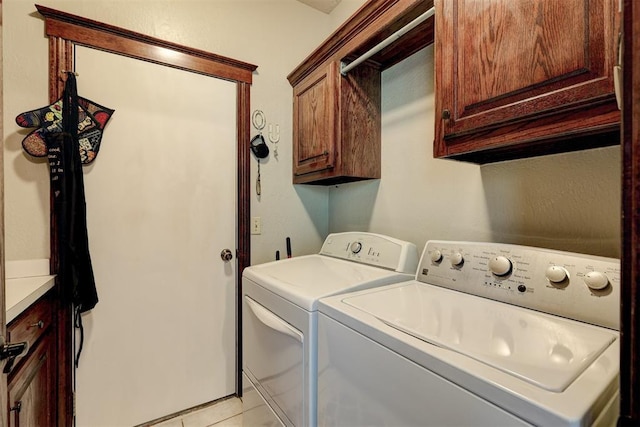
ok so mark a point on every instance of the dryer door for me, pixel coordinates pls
(274, 360)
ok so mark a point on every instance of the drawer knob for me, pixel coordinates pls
(39, 325)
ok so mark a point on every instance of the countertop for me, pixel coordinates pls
(26, 281)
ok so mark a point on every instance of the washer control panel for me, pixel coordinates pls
(373, 249)
(578, 286)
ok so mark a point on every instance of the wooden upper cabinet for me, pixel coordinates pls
(314, 125)
(336, 117)
(520, 78)
(336, 126)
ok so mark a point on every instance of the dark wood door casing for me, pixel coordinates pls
(3, 327)
(630, 295)
(66, 31)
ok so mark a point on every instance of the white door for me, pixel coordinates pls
(160, 209)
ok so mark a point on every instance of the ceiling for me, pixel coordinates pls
(325, 6)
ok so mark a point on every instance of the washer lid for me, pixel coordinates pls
(305, 279)
(547, 351)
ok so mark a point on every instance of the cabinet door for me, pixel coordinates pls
(508, 71)
(315, 108)
(30, 388)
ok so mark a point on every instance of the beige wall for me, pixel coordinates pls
(276, 35)
(567, 202)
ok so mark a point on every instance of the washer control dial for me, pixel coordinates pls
(500, 265)
(456, 259)
(356, 247)
(556, 274)
(436, 255)
(596, 280)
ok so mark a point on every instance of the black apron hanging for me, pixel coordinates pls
(74, 262)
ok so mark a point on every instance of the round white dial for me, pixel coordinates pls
(356, 247)
(456, 259)
(500, 265)
(436, 255)
(556, 274)
(596, 280)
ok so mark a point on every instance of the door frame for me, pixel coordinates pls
(65, 31)
(630, 290)
(4, 421)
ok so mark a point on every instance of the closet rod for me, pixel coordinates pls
(344, 69)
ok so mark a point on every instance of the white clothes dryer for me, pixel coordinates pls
(279, 319)
(487, 335)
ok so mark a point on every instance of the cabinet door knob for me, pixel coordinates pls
(446, 114)
(17, 407)
(38, 325)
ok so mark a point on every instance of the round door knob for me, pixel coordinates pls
(226, 255)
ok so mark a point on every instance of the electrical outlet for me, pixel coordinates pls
(256, 225)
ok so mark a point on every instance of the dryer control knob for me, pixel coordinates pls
(456, 259)
(596, 280)
(500, 265)
(436, 255)
(556, 274)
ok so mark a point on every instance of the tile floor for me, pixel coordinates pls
(224, 413)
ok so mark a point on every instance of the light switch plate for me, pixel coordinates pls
(256, 225)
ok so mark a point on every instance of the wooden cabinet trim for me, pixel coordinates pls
(368, 26)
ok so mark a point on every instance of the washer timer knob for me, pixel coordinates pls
(596, 280)
(556, 274)
(456, 259)
(356, 247)
(500, 265)
(436, 255)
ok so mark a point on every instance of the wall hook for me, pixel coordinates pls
(258, 120)
(274, 137)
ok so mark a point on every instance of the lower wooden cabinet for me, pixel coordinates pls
(31, 381)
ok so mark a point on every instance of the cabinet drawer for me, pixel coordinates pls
(32, 323)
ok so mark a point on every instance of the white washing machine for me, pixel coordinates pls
(486, 335)
(279, 319)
